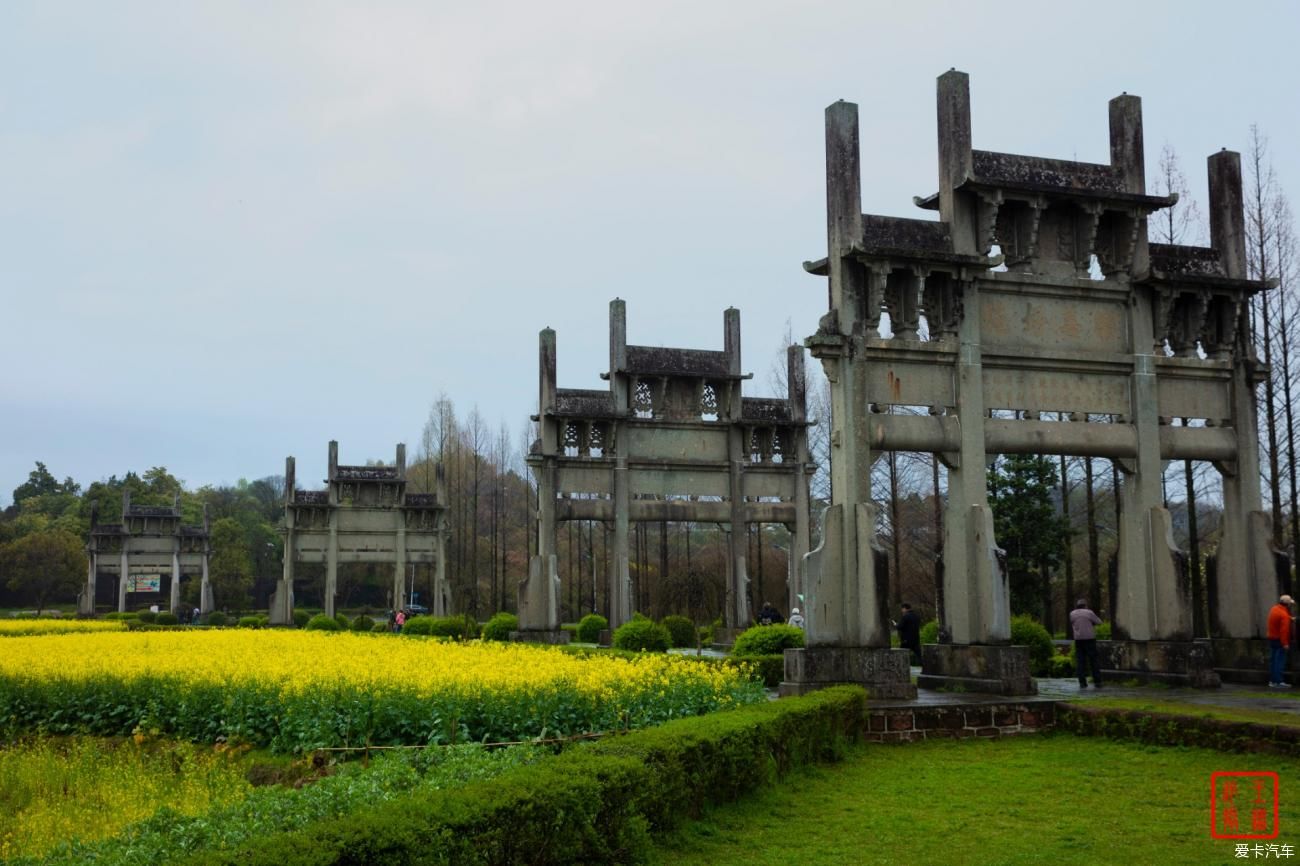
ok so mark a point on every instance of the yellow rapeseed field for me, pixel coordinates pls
(298, 690)
(24, 627)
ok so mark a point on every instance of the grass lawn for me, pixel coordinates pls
(1050, 799)
(1199, 710)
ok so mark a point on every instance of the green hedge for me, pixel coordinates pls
(681, 630)
(500, 626)
(642, 634)
(594, 803)
(590, 627)
(763, 640)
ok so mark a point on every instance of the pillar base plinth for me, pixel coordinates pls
(1176, 663)
(995, 669)
(884, 673)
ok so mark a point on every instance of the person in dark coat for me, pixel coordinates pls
(909, 632)
(769, 615)
(1083, 626)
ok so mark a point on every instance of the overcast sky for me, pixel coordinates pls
(230, 232)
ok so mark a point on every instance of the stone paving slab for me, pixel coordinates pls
(1050, 690)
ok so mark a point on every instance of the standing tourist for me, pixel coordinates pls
(909, 632)
(1083, 623)
(796, 618)
(1279, 641)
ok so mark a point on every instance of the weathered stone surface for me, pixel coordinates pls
(885, 673)
(150, 538)
(1177, 662)
(991, 669)
(672, 439)
(364, 515)
(1009, 353)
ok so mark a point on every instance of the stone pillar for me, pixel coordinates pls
(977, 599)
(441, 592)
(281, 612)
(205, 583)
(174, 600)
(206, 604)
(847, 629)
(620, 577)
(332, 563)
(1247, 581)
(86, 604)
(539, 593)
(399, 560)
(126, 572)
(796, 386)
(956, 162)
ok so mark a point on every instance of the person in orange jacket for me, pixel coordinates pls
(1279, 640)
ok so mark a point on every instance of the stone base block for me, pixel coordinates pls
(1179, 663)
(885, 673)
(281, 608)
(606, 637)
(1245, 660)
(985, 668)
(540, 635)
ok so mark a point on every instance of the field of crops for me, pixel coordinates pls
(296, 690)
(29, 627)
(74, 788)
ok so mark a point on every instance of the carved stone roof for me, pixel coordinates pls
(106, 529)
(655, 361)
(584, 403)
(1175, 260)
(421, 500)
(367, 473)
(1199, 267)
(152, 511)
(311, 497)
(1014, 170)
(896, 233)
(1050, 177)
(772, 410)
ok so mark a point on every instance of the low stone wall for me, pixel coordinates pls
(958, 721)
(1174, 729)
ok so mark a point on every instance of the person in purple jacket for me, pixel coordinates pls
(1083, 622)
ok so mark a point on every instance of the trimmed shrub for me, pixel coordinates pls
(167, 618)
(363, 623)
(597, 803)
(301, 618)
(147, 616)
(590, 627)
(1027, 631)
(454, 627)
(418, 625)
(929, 632)
(500, 626)
(766, 640)
(322, 622)
(249, 622)
(122, 615)
(1103, 631)
(218, 618)
(343, 621)
(642, 635)
(680, 629)
(263, 621)
(380, 628)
